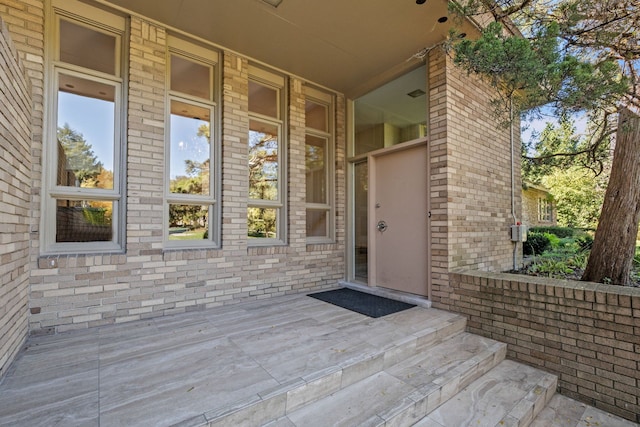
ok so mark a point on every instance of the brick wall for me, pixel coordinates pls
(15, 195)
(471, 182)
(80, 291)
(586, 333)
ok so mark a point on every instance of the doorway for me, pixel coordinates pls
(398, 222)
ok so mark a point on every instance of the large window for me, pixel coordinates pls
(191, 205)
(266, 158)
(83, 200)
(319, 154)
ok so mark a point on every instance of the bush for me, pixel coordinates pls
(561, 232)
(536, 244)
(585, 242)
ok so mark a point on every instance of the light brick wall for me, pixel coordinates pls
(586, 333)
(15, 196)
(530, 198)
(470, 176)
(80, 291)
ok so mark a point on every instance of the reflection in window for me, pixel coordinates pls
(316, 172)
(263, 161)
(190, 192)
(84, 221)
(85, 134)
(317, 225)
(190, 77)
(316, 116)
(86, 47)
(189, 150)
(188, 222)
(263, 100)
(262, 222)
(319, 155)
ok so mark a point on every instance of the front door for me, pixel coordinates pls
(398, 219)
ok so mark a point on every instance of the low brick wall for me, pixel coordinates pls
(588, 334)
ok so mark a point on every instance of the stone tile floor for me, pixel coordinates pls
(175, 369)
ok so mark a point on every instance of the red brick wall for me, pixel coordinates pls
(586, 333)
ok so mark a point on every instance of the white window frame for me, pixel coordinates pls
(210, 58)
(278, 83)
(113, 25)
(328, 100)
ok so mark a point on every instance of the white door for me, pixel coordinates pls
(398, 219)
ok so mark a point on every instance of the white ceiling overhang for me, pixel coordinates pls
(349, 46)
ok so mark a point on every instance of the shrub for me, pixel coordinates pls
(585, 242)
(556, 231)
(536, 244)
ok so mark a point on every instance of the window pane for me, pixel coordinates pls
(315, 162)
(262, 223)
(86, 123)
(316, 116)
(84, 221)
(88, 48)
(263, 161)
(190, 149)
(263, 100)
(316, 223)
(392, 114)
(191, 77)
(361, 189)
(188, 222)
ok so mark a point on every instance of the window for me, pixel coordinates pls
(82, 208)
(319, 154)
(191, 204)
(545, 210)
(266, 213)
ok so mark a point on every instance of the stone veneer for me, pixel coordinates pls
(15, 195)
(588, 334)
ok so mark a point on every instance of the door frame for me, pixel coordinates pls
(372, 157)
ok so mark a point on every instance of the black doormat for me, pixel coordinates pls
(361, 302)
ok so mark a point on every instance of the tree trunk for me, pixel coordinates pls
(614, 246)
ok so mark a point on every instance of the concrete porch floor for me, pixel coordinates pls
(192, 369)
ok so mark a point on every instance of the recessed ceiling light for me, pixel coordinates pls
(421, 1)
(274, 3)
(443, 19)
(416, 93)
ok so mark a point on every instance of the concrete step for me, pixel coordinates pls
(511, 394)
(563, 411)
(406, 391)
(397, 348)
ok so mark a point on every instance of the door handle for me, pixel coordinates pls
(382, 226)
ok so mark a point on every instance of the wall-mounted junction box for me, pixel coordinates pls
(519, 233)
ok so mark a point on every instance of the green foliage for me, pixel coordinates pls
(79, 155)
(554, 241)
(537, 71)
(96, 216)
(585, 242)
(536, 244)
(551, 268)
(578, 196)
(557, 231)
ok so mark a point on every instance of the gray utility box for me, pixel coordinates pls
(519, 233)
